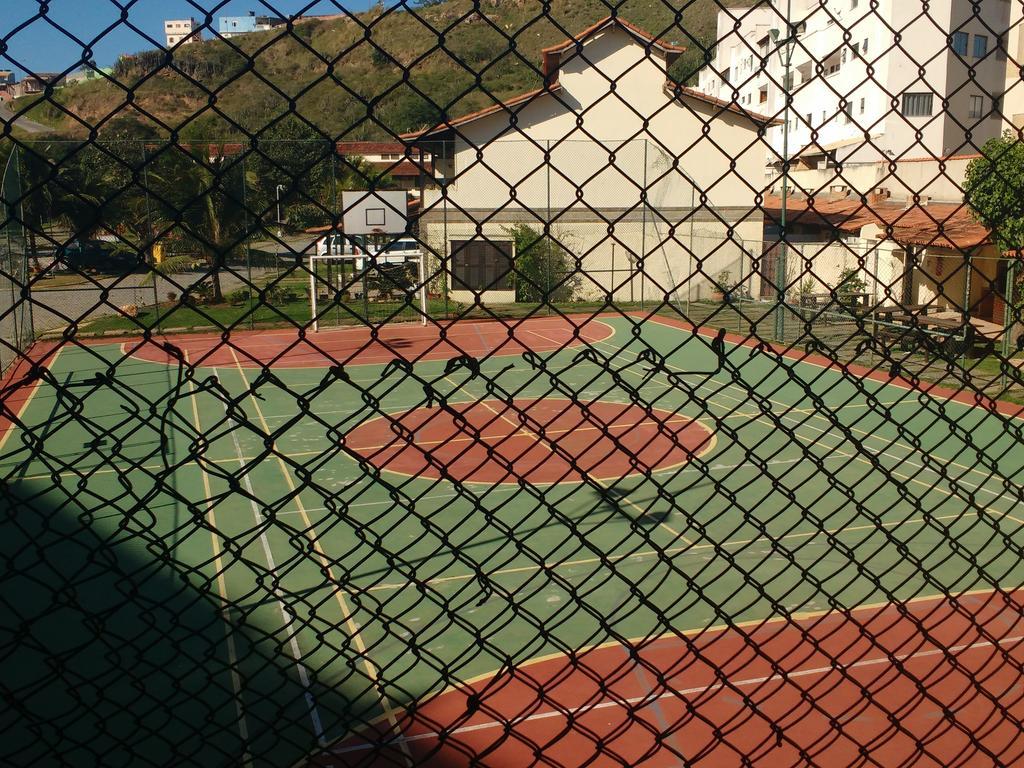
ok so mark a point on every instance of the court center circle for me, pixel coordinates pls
(548, 440)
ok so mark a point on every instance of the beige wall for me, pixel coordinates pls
(643, 260)
(592, 190)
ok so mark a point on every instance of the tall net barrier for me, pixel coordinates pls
(501, 384)
(16, 315)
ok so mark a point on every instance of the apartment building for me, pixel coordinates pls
(870, 82)
(182, 31)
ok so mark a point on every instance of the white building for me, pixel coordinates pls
(864, 99)
(1013, 100)
(183, 31)
(651, 188)
(234, 26)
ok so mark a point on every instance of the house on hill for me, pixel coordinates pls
(650, 187)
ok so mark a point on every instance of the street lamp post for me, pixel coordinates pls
(780, 264)
(277, 195)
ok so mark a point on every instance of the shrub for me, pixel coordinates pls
(544, 270)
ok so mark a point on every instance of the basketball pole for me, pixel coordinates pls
(312, 292)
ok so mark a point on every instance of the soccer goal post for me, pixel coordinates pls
(373, 286)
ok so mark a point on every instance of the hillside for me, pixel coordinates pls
(326, 70)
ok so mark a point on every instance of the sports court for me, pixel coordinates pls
(596, 534)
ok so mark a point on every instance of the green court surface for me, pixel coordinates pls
(259, 570)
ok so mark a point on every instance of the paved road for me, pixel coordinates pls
(54, 308)
(29, 126)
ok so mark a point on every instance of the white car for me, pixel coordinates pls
(394, 253)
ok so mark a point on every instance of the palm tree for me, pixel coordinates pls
(201, 199)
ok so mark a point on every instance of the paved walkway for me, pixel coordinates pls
(29, 126)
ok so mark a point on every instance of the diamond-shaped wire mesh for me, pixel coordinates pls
(507, 383)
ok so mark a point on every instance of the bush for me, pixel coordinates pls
(850, 282)
(544, 270)
(238, 296)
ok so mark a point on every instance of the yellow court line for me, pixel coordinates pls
(236, 682)
(699, 631)
(814, 411)
(24, 406)
(694, 549)
(325, 563)
(892, 471)
(676, 534)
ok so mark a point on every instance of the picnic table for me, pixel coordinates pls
(820, 301)
(938, 336)
(886, 313)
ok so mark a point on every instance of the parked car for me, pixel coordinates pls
(97, 256)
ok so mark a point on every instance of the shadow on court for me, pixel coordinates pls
(112, 653)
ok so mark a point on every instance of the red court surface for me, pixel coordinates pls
(549, 440)
(365, 346)
(934, 682)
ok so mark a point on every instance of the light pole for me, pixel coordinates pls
(780, 263)
(277, 194)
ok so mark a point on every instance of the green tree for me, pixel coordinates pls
(201, 200)
(994, 190)
(544, 270)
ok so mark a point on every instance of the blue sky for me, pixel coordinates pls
(41, 47)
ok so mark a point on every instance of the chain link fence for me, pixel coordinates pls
(451, 383)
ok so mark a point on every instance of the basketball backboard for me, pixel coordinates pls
(372, 213)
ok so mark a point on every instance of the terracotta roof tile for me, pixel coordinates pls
(674, 89)
(507, 105)
(371, 148)
(941, 225)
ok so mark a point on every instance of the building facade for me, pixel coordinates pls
(870, 82)
(232, 26)
(182, 32)
(645, 185)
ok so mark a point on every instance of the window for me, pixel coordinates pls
(862, 106)
(809, 119)
(960, 43)
(848, 113)
(864, 47)
(856, 49)
(980, 46)
(977, 104)
(917, 104)
(853, 4)
(482, 265)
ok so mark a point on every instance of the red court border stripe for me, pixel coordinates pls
(318, 353)
(18, 394)
(887, 632)
(1002, 407)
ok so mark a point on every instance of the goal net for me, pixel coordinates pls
(375, 286)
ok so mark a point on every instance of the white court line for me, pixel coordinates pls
(311, 535)
(638, 701)
(287, 620)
